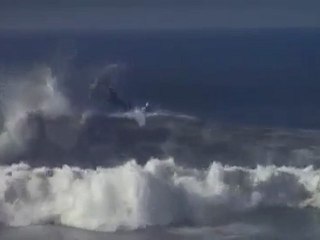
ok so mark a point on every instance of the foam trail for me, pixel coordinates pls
(137, 114)
(132, 196)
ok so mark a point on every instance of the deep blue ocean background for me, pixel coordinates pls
(250, 76)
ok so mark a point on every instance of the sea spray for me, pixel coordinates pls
(132, 196)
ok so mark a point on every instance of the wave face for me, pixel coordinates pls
(132, 196)
(43, 128)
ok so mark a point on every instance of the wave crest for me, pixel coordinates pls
(132, 196)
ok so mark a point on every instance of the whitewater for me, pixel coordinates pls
(71, 170)
(128, 195)
(159, 193)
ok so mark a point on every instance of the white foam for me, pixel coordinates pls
(137, 114)
(33, 92)
(131, 196)
(140, 115)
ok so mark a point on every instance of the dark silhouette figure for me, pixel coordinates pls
(103, 93)
(114, 99)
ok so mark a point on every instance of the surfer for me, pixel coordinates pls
(113, 98)
(102, 91)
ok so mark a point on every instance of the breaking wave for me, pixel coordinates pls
(23, 97)
(159, 193)
(61, 166)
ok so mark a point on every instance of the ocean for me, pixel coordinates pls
(230, 148)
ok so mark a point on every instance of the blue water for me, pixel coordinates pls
(260, 77)
(229, 150)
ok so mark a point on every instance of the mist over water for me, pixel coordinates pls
(230, 148)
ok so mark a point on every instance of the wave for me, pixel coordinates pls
(77, 170)
(159, 193)
(43, 127)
